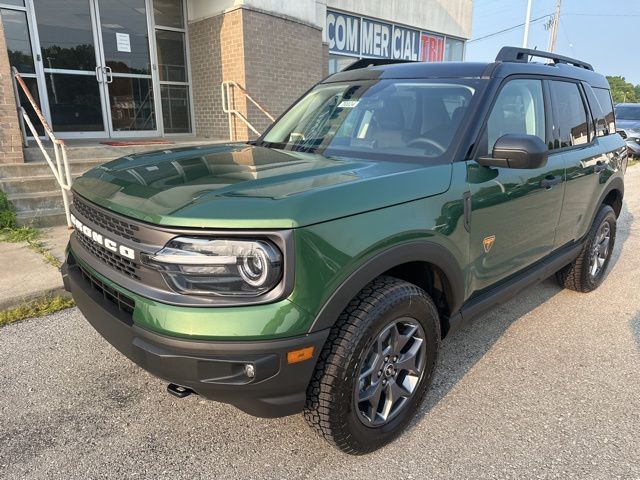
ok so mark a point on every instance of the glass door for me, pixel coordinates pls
(97, 67)
(128, 75)
(69, 54)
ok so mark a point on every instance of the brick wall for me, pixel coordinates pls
(283, 59)
(10, 135)
(275, 59)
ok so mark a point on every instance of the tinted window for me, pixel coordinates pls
(604, 99)
(628, 112)
(375, 118)
(572, 128)
(518, 109)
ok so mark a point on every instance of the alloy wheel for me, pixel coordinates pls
(390, 372)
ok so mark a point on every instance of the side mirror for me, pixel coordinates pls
(517, 151)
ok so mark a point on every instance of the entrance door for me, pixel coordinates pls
(97, 66)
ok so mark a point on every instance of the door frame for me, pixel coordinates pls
(40, 75)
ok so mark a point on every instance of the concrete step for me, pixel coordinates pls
(37, 183)
(36, 201)
(51, 217)
(15, 170)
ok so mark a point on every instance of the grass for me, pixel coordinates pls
(36, 308)
(11, 232)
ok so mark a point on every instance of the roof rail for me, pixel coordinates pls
(372, 62)
(517, 54)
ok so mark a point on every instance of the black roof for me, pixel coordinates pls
(497, 69)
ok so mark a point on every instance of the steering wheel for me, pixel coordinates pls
(422, 140)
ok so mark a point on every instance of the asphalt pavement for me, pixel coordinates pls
(544, 386)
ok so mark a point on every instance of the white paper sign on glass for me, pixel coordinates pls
(123, 42)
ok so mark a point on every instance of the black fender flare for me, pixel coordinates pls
(415, 251)
(616, 183)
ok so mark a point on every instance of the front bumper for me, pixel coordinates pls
(213, 369)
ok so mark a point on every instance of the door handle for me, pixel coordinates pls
(109, 74)
(599, 167)
(99, 76)
(550, 180)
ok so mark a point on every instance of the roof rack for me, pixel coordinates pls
(372, 62)
(516, 54)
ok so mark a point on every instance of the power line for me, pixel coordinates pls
(508, 29)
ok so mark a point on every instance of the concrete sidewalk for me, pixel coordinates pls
(25, 275)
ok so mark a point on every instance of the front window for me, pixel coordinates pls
(386, 119)
(628, 112)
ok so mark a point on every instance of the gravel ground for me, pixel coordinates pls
(545, 386)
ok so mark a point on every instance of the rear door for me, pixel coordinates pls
(579, 137)
(515, 212)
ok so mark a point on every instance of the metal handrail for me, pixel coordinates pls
(228, 107)
(60, 169)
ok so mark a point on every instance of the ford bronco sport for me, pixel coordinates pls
(318, 268)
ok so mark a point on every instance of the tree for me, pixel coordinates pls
(623, 91)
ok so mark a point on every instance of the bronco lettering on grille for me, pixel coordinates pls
(102, 240)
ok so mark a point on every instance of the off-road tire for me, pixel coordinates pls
(576, 276)
(331, 409)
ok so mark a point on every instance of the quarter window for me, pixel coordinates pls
(604, 99)
(519, 109)
(572, 128)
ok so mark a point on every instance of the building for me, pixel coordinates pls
(111, 69)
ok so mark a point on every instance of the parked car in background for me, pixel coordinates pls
(628, 123)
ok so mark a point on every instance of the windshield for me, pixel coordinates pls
(628, 112)
(379, 119)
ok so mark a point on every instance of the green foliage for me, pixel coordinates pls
(623, 91)
(37, 308)
(7, 214)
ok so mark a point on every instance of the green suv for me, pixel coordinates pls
(318, 268)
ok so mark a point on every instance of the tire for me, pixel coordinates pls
(581, 275)
(357, 345)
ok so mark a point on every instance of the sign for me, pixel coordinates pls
(358, 36)
(432, 48)
(405, 44)
(376, 39)
(123, 42)
(343, 33)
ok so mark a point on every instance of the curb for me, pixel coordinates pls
(13, 302)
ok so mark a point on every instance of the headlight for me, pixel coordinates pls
(219, 267)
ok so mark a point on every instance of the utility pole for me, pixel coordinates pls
(553, 27)
(525, 40)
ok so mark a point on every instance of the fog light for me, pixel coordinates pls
(249, 370)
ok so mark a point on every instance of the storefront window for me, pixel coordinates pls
(172, 63)
(16, 34)
(339, 62)
(453, 50)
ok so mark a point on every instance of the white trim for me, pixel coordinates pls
(6, 6)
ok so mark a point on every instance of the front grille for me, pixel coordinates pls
(623, 134)
(110, 223)
(124, 303)
(118, 263)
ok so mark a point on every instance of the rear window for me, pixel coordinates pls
(573, 126)
(604, 99)
(628, 112)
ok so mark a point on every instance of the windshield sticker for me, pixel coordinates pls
(348, 104)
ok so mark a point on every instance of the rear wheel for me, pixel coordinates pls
(375, 367)
(586, 272)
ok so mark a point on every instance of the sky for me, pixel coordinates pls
(603, 33)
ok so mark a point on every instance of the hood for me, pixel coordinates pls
(628, 125)
(245, 186)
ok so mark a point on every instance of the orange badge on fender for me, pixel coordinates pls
(488, 243)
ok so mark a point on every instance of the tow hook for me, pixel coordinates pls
(178, 391)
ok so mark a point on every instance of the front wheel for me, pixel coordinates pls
(586, 272)
(375, 368)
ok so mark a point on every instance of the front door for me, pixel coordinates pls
(96, 60)
(515, 212)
